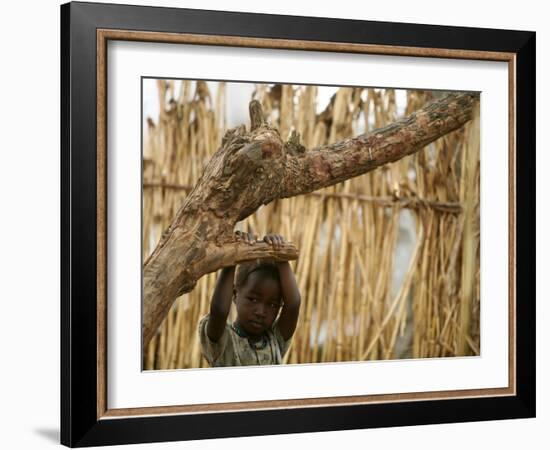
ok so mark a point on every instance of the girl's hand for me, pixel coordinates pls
(275, 239)
(247, 238)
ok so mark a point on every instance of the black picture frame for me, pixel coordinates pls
(80, 424)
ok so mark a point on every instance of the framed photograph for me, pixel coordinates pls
(279, 224)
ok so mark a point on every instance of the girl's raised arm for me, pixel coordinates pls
(291, 294)
(220, 304)
(291, 301)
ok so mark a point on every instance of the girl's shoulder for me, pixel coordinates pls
(278, 338)
(214, 351)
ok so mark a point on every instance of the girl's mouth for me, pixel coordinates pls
(256, 325)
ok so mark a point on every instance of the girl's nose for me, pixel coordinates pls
(260, 310)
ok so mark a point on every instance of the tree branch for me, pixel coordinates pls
(331, 164)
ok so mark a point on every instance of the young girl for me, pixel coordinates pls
(260, 290)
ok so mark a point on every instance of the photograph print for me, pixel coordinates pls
(301, 224)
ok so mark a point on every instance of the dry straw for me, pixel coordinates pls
(389, 261)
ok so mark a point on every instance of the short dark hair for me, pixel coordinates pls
(267, 266)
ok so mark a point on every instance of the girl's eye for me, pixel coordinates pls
(274, 305)
(253, 300)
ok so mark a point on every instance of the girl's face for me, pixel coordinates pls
(258, 302)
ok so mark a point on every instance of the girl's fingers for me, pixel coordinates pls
(276, 240)
(249, 238)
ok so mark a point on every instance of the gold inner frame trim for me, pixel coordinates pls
(103, 36)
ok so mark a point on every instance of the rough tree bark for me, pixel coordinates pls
(253, 168)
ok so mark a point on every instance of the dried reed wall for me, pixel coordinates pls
(389, 261)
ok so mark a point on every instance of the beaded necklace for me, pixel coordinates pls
(254, 345)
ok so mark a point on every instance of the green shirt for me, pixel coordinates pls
(234, 350)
